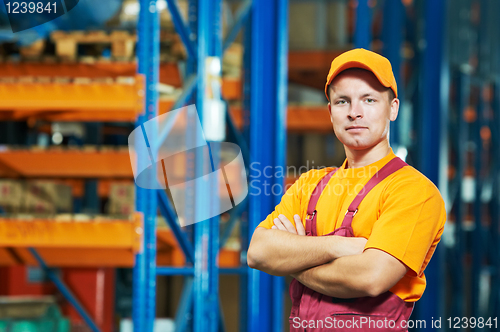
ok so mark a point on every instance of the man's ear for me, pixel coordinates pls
(330, 111)
(394, 109)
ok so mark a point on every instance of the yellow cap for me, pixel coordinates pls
(361, 58)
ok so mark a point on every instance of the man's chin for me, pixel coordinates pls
(358, 146)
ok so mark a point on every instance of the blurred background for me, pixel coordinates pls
(82, 248)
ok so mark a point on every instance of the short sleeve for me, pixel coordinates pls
(410, 223)
(289, 205)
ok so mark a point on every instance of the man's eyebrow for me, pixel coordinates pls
(341, 97)
(367, 94)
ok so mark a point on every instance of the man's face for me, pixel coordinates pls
(360, 109)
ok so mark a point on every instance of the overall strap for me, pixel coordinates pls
(311, 207)
(389, 168)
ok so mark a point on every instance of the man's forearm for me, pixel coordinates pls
(282, 253)
(345, 277)
(369, 274)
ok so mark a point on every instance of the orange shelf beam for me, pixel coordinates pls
(118, 234)
(63, 244)
(95, 100)
(169, 72)
(299, 118)
(65, 164)
(310, 68)
(70, 257)
(309, 118)
(98, 69)
(312, 60)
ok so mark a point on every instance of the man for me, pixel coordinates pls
(379, 243)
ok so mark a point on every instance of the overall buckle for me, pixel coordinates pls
(351, 211)
(310, 216)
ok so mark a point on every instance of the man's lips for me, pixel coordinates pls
(355, 128)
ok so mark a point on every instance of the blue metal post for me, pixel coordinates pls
(495, 203)
(281, 72)
(477, 234)
(267, 145)
(146, 200)
(392, 38)
(463, 93)
(245, 230)
(431, 305)
(363, 31)
(206, 277)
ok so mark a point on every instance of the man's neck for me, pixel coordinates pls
(361, 158)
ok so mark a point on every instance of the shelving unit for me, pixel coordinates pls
(62, 241)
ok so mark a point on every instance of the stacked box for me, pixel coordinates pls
(11, 192)
(232, 61)
(43, 196)
(121, 198)
(37, 196)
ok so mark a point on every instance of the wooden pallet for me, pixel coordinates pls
(33, 51)
(122, 43)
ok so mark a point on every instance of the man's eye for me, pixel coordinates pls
(370, 100)
(340, 102)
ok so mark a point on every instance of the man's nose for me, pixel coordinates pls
(355, 111)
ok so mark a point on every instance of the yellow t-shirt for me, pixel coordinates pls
(404, 215)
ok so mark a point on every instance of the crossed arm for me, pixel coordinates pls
(332, 265)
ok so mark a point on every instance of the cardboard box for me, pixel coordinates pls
(121, 199)
(44, 196)
(11, 192)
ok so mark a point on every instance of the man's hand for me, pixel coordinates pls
(283, 224)
(349, 246)
(352, 246)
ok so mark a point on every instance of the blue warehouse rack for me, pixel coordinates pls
(265, 32)
(264, 25)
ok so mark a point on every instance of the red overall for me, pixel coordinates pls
(314, 311)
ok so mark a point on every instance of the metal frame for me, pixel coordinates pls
(265, 36)
(432, 117)
(144, 283)
(363, 29)
(392, 38)
(267, 71)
